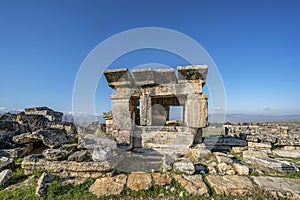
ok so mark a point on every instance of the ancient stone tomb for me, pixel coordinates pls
(140, 116)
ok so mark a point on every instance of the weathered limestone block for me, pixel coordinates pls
(194, 73)
(241, 169)
(51, 138)
(225, 169)
(239, 149)
(248, 154)
(109, 185)
(262, 145)
(165, 76)
(67, 127)
(230, 184)
(6, 163)
(197, 152)
(161, 179)
(271, 163)
(139, 181)
(55, 154)
(166, 139)
(184, 165)
(223, 158)
(8, 129)
(43, 184)
(287, 153)
(288, 140)
(196, 111)
(92, 141)
(119, 77)
(5, 176)
(32, 122)
(79, 156)
(17, 152)
(144, 76)
(287, 188)
(193, 184)
(102, 154)
(46, 112)
(67, 168)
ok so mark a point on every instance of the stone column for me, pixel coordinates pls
(122, 119)
(196, 111)
(145, 110)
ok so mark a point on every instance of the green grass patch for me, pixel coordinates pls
(57, 191)
(19, 160)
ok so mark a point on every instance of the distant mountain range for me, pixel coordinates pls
(85, 119)
(254, 118)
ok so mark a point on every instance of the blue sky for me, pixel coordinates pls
(255, 44)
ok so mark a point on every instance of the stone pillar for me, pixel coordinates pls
(196, 111)
(145, 110)
(122, 119)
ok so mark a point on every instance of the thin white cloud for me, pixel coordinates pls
(270, 109)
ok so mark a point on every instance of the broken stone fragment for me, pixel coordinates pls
(46, 112)
(283, 166)
(43, 184)
(193, 184)
(55, 154)
(6, 163)
(18, 151)
(79, 156)
(287, 153)
(241, 169)
(101, 154)
(184, 165)
(108, 185)
(139, 181)
(5, 176)
(161, 179)
(230, 184)
(50, 137)
(286, 188)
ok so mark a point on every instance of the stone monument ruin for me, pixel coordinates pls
(140, 116)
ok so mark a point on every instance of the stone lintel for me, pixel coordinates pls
(144, 76)
(192, 73)
(164, 76)
(120, 77)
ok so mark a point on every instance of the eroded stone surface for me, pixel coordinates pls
(287, 153)
(67, 168)
(6, 163)
(279, 187)
(43, 184)
(161, 179)
(230, 184)
(79, 156)
(5, 176)
(193, 184)
(283, 166)
(241, 169)
(51, 138)
(139, 181)
(109, 185)
(55, 154)
(185, 166)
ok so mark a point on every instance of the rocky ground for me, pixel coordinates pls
(44, 158)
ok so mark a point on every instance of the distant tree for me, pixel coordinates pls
(227, 123)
